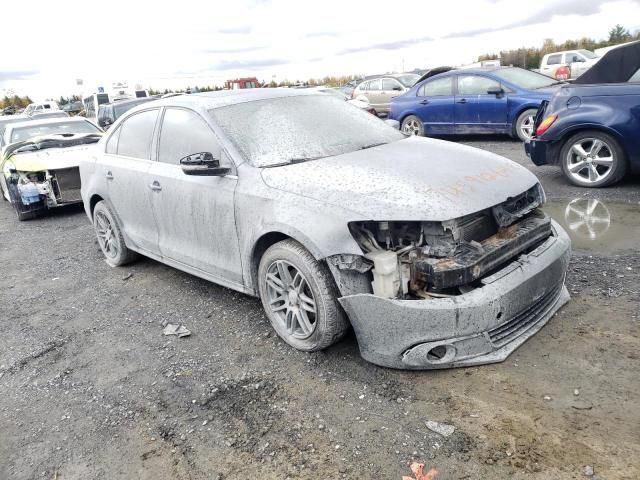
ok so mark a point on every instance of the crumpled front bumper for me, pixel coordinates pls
(481, 326)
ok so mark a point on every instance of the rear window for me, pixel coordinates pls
(21, 134)
(554, 59)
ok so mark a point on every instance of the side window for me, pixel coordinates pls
(390, 84)
(554, 59)
(635, 77)
(437, 88)
(475, 85)
(136, 133)
(183, 133)
(112, 143)
(364, 86)
(374, 84)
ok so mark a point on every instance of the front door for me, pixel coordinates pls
(195, 214)
(476, 110)
(390, 88)
(435, 106)
(126, 165)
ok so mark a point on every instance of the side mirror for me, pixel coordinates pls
(393, 123)
(203, 164)
(497, 91)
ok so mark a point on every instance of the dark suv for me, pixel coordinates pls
(110, 112)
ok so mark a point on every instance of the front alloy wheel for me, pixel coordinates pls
(299, 297)
(291, 300)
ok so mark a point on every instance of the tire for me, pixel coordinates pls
(288, 304)
(412, 125)
(524, 124)
(110, 237)
(604, 165)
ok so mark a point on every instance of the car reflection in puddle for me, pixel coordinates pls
(595, 225)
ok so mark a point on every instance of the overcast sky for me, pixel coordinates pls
(46, 45)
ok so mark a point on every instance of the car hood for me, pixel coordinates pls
(50, 158)
(411, 179)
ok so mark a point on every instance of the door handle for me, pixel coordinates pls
(463, 101)
(155, 186)
(424, 102)
(108, 175)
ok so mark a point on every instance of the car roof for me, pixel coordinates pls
(223, 98)
(14, 118)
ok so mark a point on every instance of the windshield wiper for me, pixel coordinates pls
(371, 145)
(292, 161)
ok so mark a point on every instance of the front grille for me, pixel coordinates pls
(525, 319)
(66, 184)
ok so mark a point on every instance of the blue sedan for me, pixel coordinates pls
(500, 100)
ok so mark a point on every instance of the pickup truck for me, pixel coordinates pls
(568, 64)
(591, 128)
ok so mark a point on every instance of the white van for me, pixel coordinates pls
(41, 107)
(577, 61)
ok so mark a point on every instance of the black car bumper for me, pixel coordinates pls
(541, 152)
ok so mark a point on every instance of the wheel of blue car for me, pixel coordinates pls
(593, 159)
(412, 125)
(525, 124)
(300, 298)
(110, 236)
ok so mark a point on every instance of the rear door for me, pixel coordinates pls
(126, 166)
(476, 110)
(435, 106)
(195, 214)
(374, 94)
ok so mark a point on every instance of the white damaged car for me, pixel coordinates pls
(437, 254)
(40, 165)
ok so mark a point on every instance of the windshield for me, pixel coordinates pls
(524, 78)
(588, 54)
(408, 80)
(20, 134)
(285, 130)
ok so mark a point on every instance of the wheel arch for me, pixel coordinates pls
(521, 109)
(568, 132)
(93, 201)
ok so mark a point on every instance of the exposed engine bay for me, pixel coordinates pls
(49, 188)
(418, 260)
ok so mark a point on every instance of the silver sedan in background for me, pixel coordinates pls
(437, 254)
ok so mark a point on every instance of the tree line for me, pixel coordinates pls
(530, 58)
(15, 101)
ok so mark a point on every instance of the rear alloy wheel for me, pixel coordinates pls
(299, 297)
(412, 125)
(525, 124)
(593, 159)
(110, 237)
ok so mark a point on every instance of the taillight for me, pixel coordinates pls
(546, 123)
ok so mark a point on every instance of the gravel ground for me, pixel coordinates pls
(91, 389)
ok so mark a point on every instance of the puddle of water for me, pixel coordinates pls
(596, 225)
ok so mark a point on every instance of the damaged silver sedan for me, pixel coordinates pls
(438, 255)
